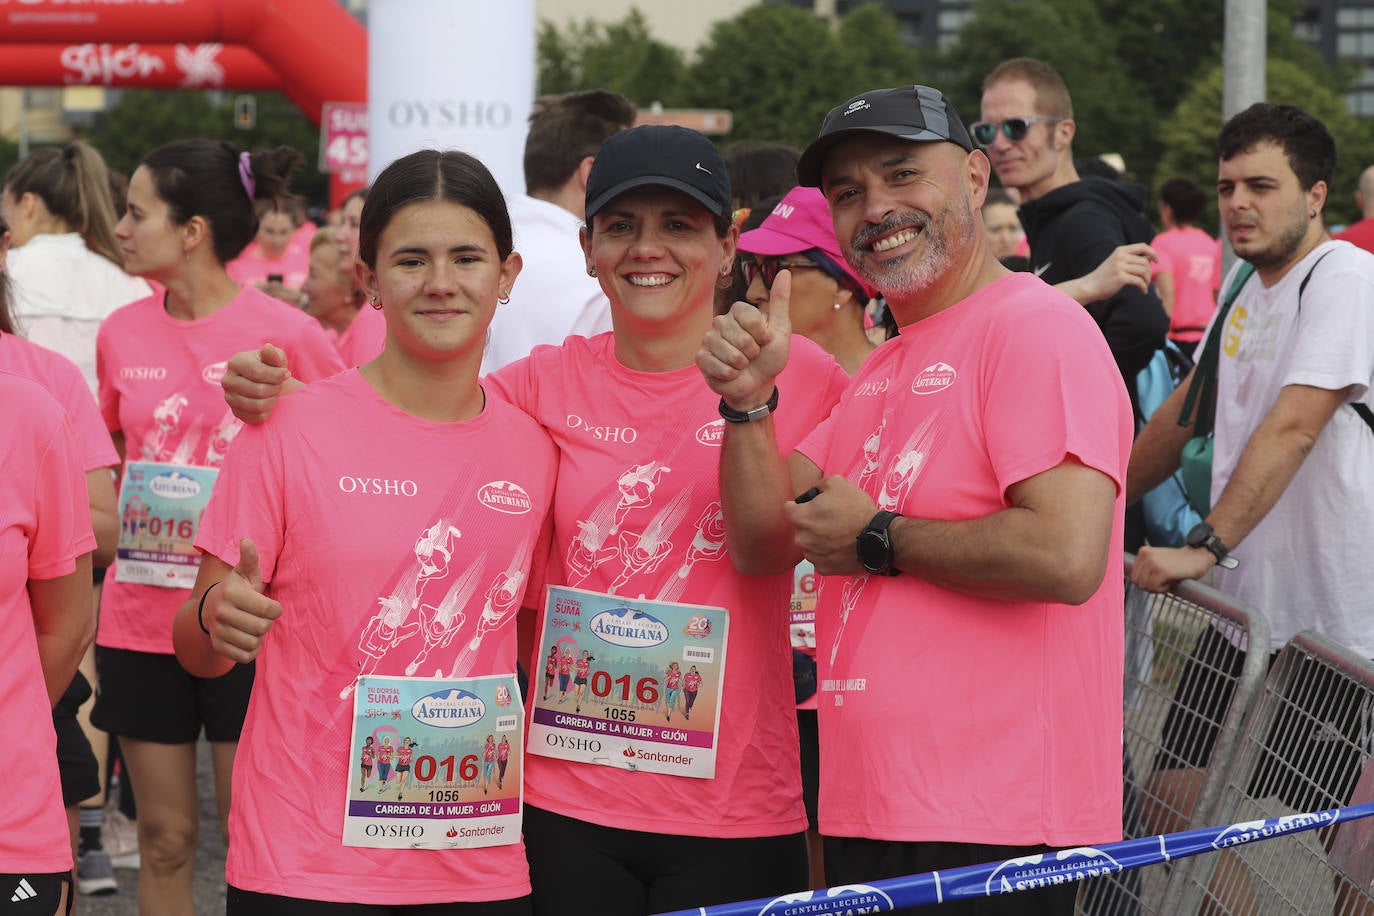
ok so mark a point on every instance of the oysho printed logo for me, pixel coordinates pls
(873, 388)
(505, 496)
(712, 433)
(410, 113)
(214, 372)
(1050, 868)
(934, 379)
(832, 901)
(174, 485)
(142, 373)
(376, 486)
(449, 709)
(627, 434)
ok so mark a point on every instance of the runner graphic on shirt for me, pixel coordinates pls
(438, 624)
(166, 420)
(872, 447)
(221, 437)
(708, 543)
(502, 599)
(589, 550)
(642, 553)
(433, 551)
(384, 632)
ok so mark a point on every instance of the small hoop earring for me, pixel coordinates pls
(591, 271)
(503, 298)
(375, 304)
(725, 270)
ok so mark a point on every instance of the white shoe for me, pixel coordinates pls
(120, 838)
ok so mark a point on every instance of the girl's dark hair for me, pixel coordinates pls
(74, 184)
(1185, 198)
(6, 322)
(202, 178)
(433, 175)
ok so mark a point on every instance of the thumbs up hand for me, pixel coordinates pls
(746, 348)
(237, 614)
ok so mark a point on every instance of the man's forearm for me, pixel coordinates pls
(754, 485)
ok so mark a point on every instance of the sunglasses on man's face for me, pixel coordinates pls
(985, 132)
(767, 268)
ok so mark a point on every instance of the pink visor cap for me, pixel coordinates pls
(800, 221)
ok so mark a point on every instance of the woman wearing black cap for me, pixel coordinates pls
(637, 513)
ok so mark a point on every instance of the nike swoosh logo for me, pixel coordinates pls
(706, 170)
(1042, 268)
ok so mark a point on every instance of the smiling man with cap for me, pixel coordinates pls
(967, 514)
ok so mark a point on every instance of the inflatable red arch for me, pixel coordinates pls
(311, 50)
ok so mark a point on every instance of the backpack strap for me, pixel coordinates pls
(1202, 390)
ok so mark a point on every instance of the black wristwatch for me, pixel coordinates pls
(1202, 535)
(875, 545)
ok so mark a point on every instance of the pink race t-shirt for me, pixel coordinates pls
(61, 378)
(44, 527)
(641, 450)
(253, 266)
(363, 339)
(360, 512)
(159, 386)
(1195, 259)
(945, 716)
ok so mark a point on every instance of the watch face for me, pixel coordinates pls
(874, 552)
(1198, 535)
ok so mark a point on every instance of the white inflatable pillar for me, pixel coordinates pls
(451, 75)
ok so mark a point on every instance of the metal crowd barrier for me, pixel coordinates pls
(1306, 745)
(1176, 643)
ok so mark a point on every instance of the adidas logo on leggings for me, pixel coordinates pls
(23, 892)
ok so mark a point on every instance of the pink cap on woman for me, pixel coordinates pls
(800, 222)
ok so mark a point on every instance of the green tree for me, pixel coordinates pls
(1190, 135)
(621, 57)
(142, 120)
(775, 68)
(872, 53)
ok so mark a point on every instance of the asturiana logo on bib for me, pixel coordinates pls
(833, 901)
(712, 433)
(214, 372)
(629, 628)
(449, 709)
(504, 496)
(174, 485)
(934, 379)
(1249, 831)
(1050, 868)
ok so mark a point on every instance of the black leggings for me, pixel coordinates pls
(248, 903)
(630, 873)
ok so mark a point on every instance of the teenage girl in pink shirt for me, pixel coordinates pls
(659, 238)
(308, 540)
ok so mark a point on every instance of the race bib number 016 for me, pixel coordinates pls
(629, 684)
(435, 763)
(159, 511)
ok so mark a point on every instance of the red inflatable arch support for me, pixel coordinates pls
(316, 48)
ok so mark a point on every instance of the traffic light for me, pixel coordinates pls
(245, 112)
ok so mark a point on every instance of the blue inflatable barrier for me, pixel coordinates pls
(1012, 875)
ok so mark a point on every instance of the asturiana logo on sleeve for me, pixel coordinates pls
(505, 496)
(934, 379)
(1050, 868)
(832, 901)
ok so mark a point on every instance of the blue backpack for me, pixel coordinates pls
(1168, 514)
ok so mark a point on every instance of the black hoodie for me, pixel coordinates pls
(1072, 230)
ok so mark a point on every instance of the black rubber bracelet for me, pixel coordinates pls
(748, 416)
(200, 611)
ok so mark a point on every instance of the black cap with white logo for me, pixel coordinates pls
(659, 155)
(909, 112)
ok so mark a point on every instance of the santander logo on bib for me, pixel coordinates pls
(504, 496)
(214, 372)
(934, 379)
